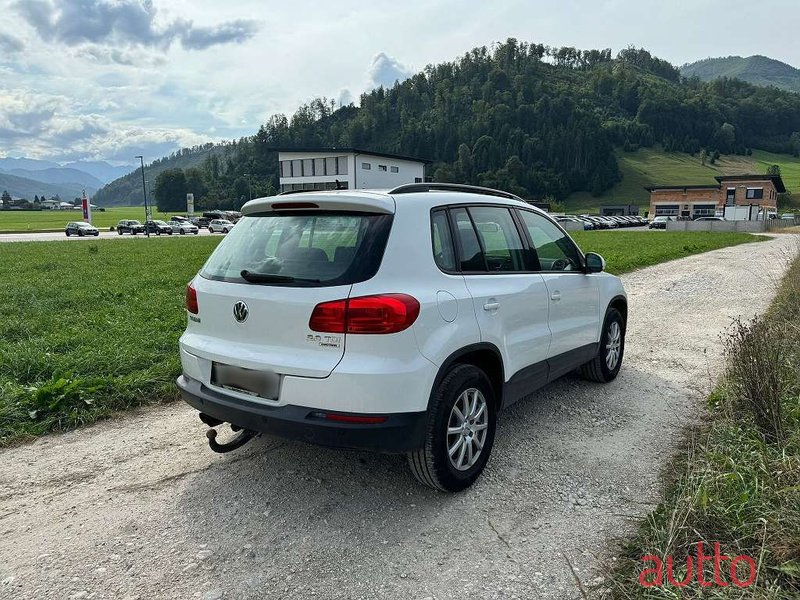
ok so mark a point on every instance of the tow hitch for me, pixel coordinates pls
(240, 439)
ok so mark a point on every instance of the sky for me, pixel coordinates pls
(112, 79)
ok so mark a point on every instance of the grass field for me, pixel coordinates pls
(650, 166)
(50, 220)
(91, 328)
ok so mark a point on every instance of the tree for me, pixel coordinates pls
(774, 170)
(196, 183)
(170, 190)
(6, 199)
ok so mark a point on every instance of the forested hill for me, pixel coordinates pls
(535, 120)
(758, 70)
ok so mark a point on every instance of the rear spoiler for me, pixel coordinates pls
(352, 201)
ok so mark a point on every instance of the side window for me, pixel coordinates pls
(502, 245)
(556, 251)
(442, 242)
(469, 249)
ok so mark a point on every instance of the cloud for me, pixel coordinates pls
(200, 38)
(385, 71)
(124, 22)
(10, 44)
(345, 97)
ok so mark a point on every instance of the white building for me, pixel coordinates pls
(346, 168)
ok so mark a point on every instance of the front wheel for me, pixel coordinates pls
(605, 366)
(224, 231)
(460, 431)
(182, 232)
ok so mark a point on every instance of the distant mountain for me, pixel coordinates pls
(758, 70)
(101, 169)
(29, 164)
(60, 176)
(23, 187)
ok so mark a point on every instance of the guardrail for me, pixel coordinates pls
(744, 226)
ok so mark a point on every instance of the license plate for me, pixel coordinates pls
(264, 384)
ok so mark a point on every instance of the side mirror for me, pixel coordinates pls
(595, 263)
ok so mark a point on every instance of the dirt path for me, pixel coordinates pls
(140, 508)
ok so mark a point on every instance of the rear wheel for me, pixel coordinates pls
(80, 233)
(67, 232)
(605, 366)
(224, 230)
(460, 432)
(182, 232)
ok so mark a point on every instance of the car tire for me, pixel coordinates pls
(96, 234)
(67, 232)
(432, 464)
(182, 232)
(197, 232)
(169, 232)
(80, 233)
(604, 367)
(224, 230)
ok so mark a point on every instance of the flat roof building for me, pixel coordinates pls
(346, 168)
(693, 201)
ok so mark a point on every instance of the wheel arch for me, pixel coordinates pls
(483, 355)
(621, 304)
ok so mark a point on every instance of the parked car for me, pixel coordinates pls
(220, 225)
(183, 227)
(367, 320)
(787, 217)
(80, 229)
(659, 222)
(178, 219)
(130, 226)
(201, 222)
(158, 227)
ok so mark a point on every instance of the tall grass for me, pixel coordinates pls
(738, 482)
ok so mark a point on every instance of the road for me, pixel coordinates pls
(59, 235)
(138, 506)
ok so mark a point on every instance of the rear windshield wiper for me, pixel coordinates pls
(272, 278)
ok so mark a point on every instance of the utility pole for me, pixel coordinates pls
(144, 194)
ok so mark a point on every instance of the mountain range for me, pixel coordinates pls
(758, 70)
(27, 177)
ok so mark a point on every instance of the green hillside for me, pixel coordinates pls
(538, 121)
(23, 187)
(651, 166)
(758, 70)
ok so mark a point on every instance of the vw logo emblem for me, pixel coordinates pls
(240, 311)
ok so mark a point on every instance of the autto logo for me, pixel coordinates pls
(696, 568)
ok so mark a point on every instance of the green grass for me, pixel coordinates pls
(628, 250)
(738, 482)
(54, 220)
(650, 166)
(89, 329)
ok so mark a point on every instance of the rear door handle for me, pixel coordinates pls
(555, 296)
(491, 306)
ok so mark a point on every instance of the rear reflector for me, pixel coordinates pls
(385, 313)
(361, 419)
(191, 299)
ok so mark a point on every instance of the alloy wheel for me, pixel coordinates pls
(467, 429)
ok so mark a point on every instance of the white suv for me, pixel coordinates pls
(397, 321)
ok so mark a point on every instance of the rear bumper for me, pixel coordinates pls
(401, 432)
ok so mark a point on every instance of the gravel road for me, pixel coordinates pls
(139, 507)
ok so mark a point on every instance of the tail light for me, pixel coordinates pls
(386, 313)
(191, 299)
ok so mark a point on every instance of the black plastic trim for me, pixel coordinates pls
(401, 432)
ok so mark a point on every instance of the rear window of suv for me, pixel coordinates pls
(301, 249)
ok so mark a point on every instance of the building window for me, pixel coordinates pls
(395, 169)
(755, 193)
(341, 165)
(366, 166)
(308, 167)
(730, 196)
(297, 168)
(417, 179)
(319, 166)
(381, 167)
(330, 165)
(704, 210)
(666, 210)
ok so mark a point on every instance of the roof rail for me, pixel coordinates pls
(410, 188)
